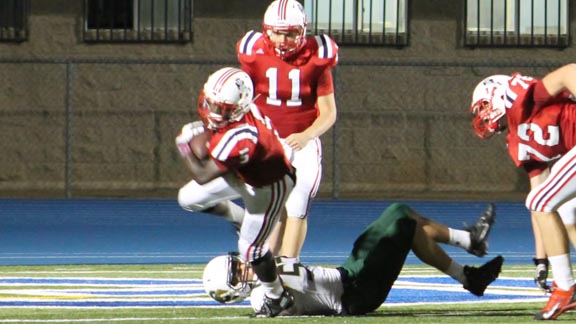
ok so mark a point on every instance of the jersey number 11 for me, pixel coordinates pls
(294, 76)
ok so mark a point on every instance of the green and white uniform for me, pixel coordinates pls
(362, 283)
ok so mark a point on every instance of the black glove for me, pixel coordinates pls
(541, 274)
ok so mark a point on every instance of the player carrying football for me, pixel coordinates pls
(245, 154)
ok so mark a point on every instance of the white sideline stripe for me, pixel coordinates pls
(497, 301)
(134, 256)
(78, 297)
(111, 285)
(84, 291)
(97, 280)
(83, 271)
(499, 290)
(516, 291)
(98, 299)
(143, 319)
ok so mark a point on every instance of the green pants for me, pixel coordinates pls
(376, 260)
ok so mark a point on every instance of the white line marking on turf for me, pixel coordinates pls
(103, 271)
(140, 319)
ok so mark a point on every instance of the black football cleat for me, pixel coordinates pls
(477, 279)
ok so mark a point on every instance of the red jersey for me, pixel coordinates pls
(538, 132)
(251, 149)
(287, 90)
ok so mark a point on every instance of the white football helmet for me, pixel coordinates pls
(226, 97)
(488, 105)
(285, 16)
(225, 281)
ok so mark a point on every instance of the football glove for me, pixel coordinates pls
(186, 134)
(541, 274)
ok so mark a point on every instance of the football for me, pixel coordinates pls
(199, 145)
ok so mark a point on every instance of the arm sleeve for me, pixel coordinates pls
(325, 83)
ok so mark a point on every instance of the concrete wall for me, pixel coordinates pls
(89, 120)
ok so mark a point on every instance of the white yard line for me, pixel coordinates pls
(126, 319)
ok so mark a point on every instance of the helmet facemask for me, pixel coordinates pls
(486, 120)
(293, 40)
(217, 115)
(488, 106)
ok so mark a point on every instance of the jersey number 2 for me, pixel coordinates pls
(294, 77)
(524, 150)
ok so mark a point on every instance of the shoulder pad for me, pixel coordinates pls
(327, 47)
(246, 44)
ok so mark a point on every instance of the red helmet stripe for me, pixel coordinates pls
(223, 78)
(282, 8)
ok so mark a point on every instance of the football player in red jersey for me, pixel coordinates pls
(540, 119)
(292, 76)
(246, 154)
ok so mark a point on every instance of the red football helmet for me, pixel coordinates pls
(286, 17)
(226, 97)
(488, 105)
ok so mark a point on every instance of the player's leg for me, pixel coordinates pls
(376, 260)
(571, 230)
(473, 239)
(568, 214)
(264, 206)
(425, 246)
(556, 246)
(540, 260)
(427, 234)
(295, 234)
(308, 164)
(543, 201)
(277, 235)
(214, 197)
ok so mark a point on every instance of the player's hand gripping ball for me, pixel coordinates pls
(193, 139)
(199, 145)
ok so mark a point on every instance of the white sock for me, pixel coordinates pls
(459, 238)
(562, 271)
(273, 289)
(456, 271)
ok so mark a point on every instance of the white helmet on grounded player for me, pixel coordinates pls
(226, 97)
(225, 279)
(488, 105)
(285, 16)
